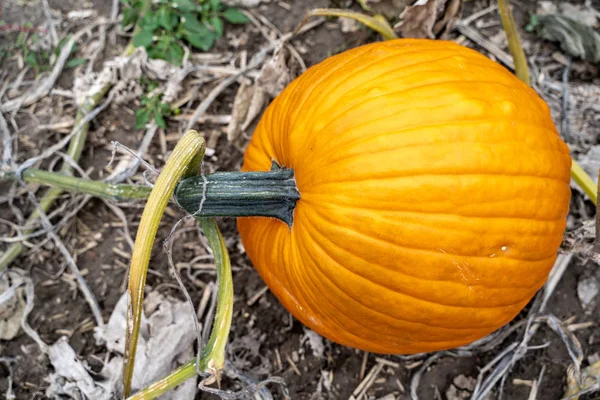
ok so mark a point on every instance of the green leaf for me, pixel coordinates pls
(235, 16)
(21, 38)
(192, 25)
(217, 23)
(165, 108)
(130, 16)
(184, 5)
(150, 22)
(142, 116)
(174, 53)
(160, 121)
(143, 38)
(575, 38)
(31, 60)
(155, 52)
(202, 42)
(215, 4)
(534, 21)
(164, 18)
(75, 62)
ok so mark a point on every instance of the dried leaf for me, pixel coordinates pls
(275, 75)
(241, 103)
(574, 38)
(259, 99)
(587, 291)
(449, 18)
(429, 18)
(315, 341)
(461, 388)
(590, 381)
(582, 13)
(166, 341)
(12, 307)
(418, 20)
(70, 377)
(250, 100)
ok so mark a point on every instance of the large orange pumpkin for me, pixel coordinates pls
(434, 195)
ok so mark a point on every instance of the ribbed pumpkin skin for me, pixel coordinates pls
(434, 195)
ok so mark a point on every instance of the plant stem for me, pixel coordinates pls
(111, 191)
(74, 151)
(188, 148)
(212, 359)
(580, 177)
(222, 194)
(514, 44)
(378, 23)
(163, 385)
(213, 355)
(585, 182)
(241, 194)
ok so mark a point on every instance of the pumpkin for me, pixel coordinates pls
(434, 191)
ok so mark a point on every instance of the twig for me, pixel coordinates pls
(7, 144)
(65, 140)
(365, 384)
(42, 89)
(559, 268)
(168, 248)
(414, 383)
(51, 28)
(87, 293)
(119, 213)
(75, 148)
(254, 63)
(128, 167)
(564, 123)
(8, 362)
(478, 38)
(18, 279)
(208, 100)
(479, 14)
(114, 10)
(536, 384)
(99, 49)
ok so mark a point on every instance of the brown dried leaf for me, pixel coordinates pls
(275, 74)
(250, 100)
(449, 18)
(418, 20)
(590, 378)
(429, 18)
(259, 99)
(241, 103)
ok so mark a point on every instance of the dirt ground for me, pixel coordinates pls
(265, 339)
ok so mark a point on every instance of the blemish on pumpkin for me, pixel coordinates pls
(376, 91)
(507, 107)
(464, 270)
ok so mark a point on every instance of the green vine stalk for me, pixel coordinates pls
(189, 149)
(74, 151)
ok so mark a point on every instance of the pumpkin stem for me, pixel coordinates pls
(241, 194)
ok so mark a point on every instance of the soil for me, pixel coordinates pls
(263, 332)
